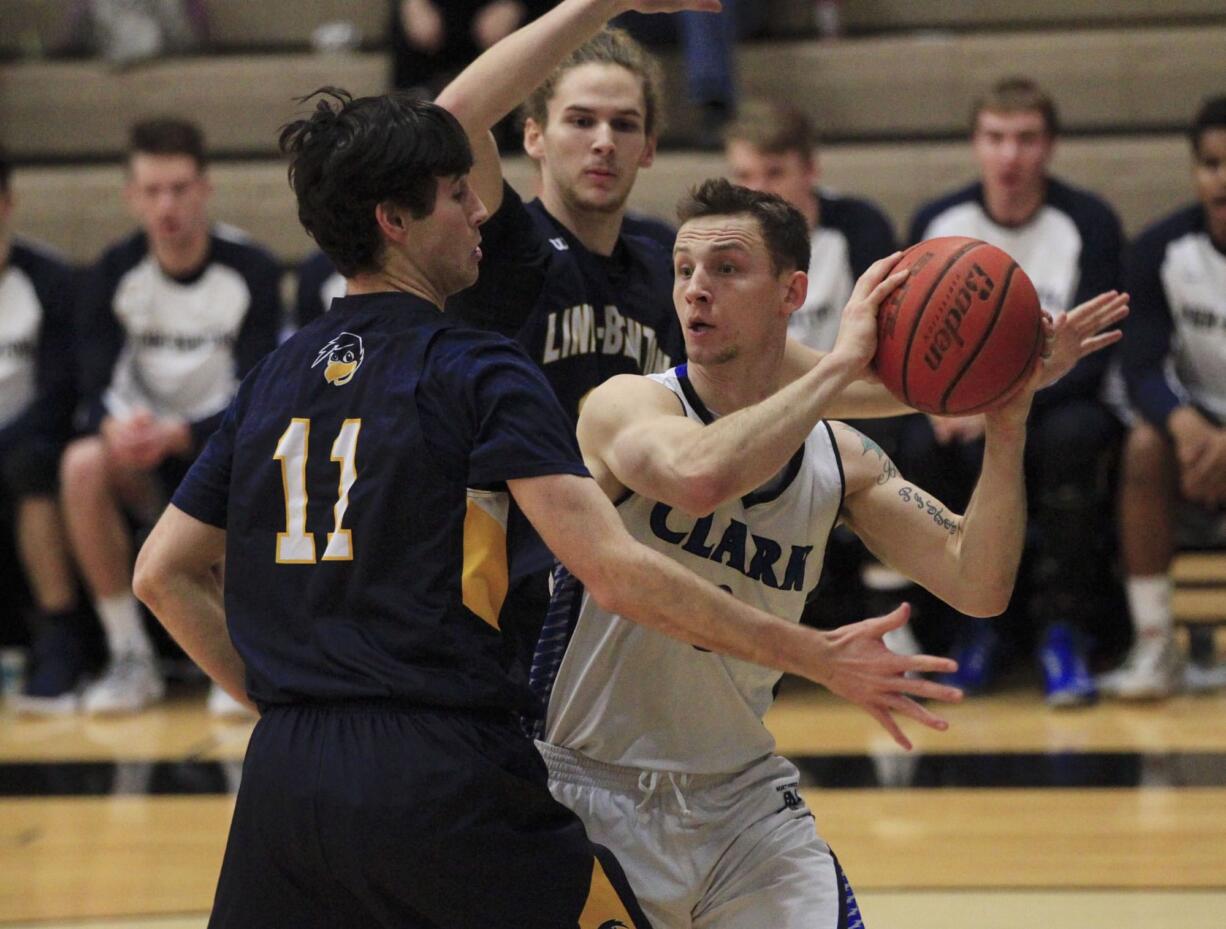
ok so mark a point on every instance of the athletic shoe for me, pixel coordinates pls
(1151, 671)
(57, 663)
(1066, 679)
(1202, 679)
(222, 706)
(976, 653)
(129, 684)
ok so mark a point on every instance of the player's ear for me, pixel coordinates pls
(649, 153)
(392, 219)
(533, 139)
(797, 288)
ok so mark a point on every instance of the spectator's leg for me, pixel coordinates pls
(1148, 496)
(58, 633)
(95, 494)
(708, 43)
(1071, 451)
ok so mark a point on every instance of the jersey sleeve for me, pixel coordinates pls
(204, 492)
(512, 272)
(486, 396)
(1148, 331)
(100, 338)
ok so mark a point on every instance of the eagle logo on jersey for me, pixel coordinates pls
(344, 356)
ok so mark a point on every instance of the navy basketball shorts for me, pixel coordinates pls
(372, 815)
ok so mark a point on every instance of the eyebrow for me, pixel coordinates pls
(727, 246)
(591, 110)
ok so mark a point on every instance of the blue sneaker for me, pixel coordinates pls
(1066, 679)
(976, 653)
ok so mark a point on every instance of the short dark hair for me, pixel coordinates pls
(6, 172)
(784, 229)
(610, 46)
(1017, 95)
(1212, 115)
(350, 155)
(773, 128)
(167, 135)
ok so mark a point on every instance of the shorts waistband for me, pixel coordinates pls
(566, 764)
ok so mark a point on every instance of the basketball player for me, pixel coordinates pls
(586, 297)
(659, 746)
(357, 491)
(1068, 242)
(1174, 357)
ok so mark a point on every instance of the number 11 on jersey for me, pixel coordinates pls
(296, 545)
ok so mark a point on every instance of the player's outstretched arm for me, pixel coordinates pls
(502, 78)
(177, 577)
(582, 528)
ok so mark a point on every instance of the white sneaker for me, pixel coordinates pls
(1152, 670)
(129, 684)
(1203, 679)
(62, 705)
(221, 704)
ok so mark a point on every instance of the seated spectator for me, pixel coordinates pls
(1174, 360)
(1068, 241)
(36, 401)
(316, 284)
(432, 40)
(772, 147)
(126, 32)
(170, 318)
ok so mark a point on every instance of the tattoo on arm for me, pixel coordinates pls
(915, 497)
(888, 470)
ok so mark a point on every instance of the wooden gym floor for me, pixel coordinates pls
(1111, 817)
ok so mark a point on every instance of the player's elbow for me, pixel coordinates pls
(983, 601)
(150, 579)
(699, 489)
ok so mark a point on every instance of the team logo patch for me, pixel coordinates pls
(344, 356)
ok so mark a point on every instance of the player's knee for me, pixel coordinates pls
(83, 465)
(1148, 455)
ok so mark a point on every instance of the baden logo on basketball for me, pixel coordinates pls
(344, 355)
(977, 285)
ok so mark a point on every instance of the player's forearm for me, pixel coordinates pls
(501, 78)
(859, 400)
(654, 591)
(741, 451)
(989, 540)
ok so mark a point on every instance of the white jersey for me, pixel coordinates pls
(624, 694)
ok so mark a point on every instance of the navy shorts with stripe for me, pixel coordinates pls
(374, 815)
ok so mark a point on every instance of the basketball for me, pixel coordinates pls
(962, 332)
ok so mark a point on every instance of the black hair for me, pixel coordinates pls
(1212, 115)
(350, 155)
(167, 135)
(784, 229)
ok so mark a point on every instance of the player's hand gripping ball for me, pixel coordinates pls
(962, 333)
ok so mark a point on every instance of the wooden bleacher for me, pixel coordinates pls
(891, 102)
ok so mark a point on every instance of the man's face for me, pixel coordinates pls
(1013, 150)
(1209, 176)
(790, 175)
(169, 195)
(595, 139)
(726, 293)
(445, 244)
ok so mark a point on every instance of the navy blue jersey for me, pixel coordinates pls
(582, 317)
(37, 381)
(851, 234)
(317, 283)
(358, 475)
(1174, 348)
(1070, 249)
(176, 346)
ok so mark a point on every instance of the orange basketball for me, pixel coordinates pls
(962, 332)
